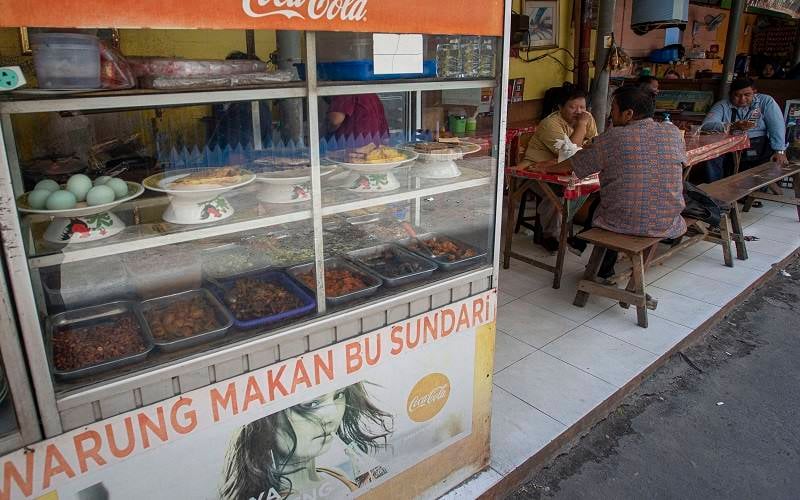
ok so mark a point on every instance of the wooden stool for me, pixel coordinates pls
(640, 251)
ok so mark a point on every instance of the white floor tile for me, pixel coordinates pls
(521, 279)
(503, 298)
(755, 260)
(508, 350)
(655, 273)
(554, 387)
(475, 486)
(560, 302)
(738, 276)
(699, 287)
(751, 217)
(681, 309)
(518, 431)
(784, 234)
(659, 336)
(778, 222)
(771, 247)
(785, 211)
(602, 355)
(531, 324)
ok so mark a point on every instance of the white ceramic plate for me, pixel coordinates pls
(293, 176)
(374, 168)
(82, 209)
(162, 182)
(462, 149)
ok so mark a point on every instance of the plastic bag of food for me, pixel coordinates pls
(566, 148)
(192, 68)
(115, 72)
(224, 81)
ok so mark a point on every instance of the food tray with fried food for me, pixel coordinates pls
(215, 179)
(395, 265)
(185, 319)
(262, 298)
(448, 252)
(93, 340)
(344, 282)
(372, 158)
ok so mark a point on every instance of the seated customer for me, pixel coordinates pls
(648, 83)
(640, 162)
(758, 115)
(571, 120)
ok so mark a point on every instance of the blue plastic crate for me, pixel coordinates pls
(362, 70)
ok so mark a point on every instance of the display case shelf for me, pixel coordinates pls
(153, 232)
(384, 86)
(128, 99)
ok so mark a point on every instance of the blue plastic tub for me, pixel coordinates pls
(361, 70)
(220, 287)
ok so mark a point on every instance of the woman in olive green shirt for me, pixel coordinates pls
(573, 120)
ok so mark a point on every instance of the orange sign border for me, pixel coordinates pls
(478, 17)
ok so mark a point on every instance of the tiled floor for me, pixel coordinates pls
(555, 362)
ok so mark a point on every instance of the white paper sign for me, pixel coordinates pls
(395, 54)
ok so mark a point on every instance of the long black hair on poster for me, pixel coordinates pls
(253, 465)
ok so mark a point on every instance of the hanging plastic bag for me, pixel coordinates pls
(115, 72)
(566, 148)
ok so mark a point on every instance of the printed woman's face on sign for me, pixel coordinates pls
(314, 424)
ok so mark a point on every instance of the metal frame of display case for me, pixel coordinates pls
(69, 410)
(16, 375)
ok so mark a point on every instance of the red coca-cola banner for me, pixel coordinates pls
(480, 17)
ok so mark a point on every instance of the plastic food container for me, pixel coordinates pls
(163, 271)
(224, 319)
(374, 259)
(307, 302)
(372, 280)
(66, 60)
(444, 263)
(82, 284)
(91, 316)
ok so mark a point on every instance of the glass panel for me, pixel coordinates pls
(405, 209)
(343, 56)
(206, 205)
(8, 417)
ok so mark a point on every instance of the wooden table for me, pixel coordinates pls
(698, 149)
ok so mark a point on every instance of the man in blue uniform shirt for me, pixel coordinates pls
(757, 115)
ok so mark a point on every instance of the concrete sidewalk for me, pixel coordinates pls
(717, 421)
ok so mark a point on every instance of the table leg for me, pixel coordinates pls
(725, 236)
(737, 158)
(738, 232)
(796, 182)
(562, 240)
(562, 244)
(512, 205)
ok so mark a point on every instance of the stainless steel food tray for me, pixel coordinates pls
(427, 267)
(444, 264)
(223, 317)
(89, 316)
(372, 280)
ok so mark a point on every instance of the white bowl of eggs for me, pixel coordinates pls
(80, 208)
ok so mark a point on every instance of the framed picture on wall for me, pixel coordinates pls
(543, 27)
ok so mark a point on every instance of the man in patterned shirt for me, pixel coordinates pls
(640, 163)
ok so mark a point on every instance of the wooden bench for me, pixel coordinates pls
(639, 250)
(747, 185)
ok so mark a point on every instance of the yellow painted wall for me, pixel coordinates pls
(543, 74)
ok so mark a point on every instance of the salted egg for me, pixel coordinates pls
(99, 195)
(119, 186)
(37, 199)
(47, 185)
(79, 185)
(61, 200)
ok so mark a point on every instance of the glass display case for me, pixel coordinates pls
(165, 239)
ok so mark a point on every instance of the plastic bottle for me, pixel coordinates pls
(470, 56)
(448, 58)
(488, 59)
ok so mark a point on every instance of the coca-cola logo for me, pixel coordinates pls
(428, 397)
(344, 10)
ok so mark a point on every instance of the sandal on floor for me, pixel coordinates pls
(757, 204)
